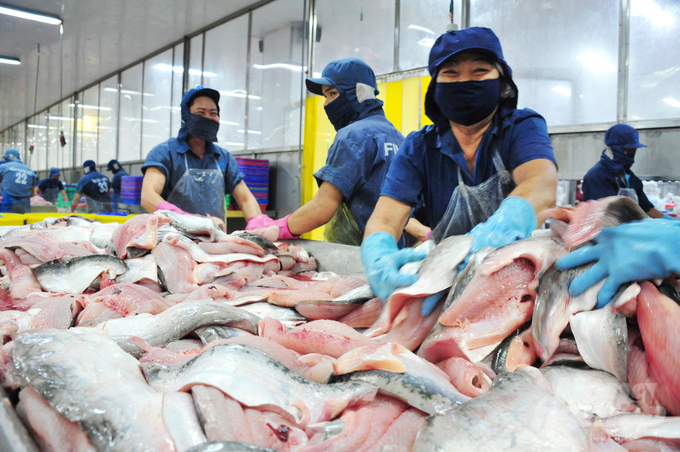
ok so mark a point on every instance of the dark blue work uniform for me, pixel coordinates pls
(54, 185)
(116, 182)
(358, 161)
(168, 157)
(95, 185)
(603, 180)
(426, 167)
(17, 183)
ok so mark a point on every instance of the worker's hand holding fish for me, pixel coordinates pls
(637, 251)
(382, 260)
(514, 219)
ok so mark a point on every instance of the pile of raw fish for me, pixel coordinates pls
(166, 334)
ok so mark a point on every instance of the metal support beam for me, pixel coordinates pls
(624, 51)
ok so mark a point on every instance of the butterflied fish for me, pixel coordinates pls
(75, 275)
(229, 446)
(191, 224)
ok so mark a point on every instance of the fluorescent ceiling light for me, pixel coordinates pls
(289, 67)
(65, 118)
(597, 62)
(672, 102)
(419, 28)
(239, 93)
(426, 42)
(652, 12)
(90, 107)
(23, 14)
(125, 91)
(562, 90)
(229, 123)
(231, 143)
(316, 74)
(254, 132)
(36, 126)
(180, 70)
(10, 60)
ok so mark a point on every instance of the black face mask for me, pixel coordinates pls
(340, 112)
(202, 127)
(467, 103)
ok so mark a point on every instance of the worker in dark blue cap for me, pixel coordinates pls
(190, 173)
(95, 187)
(118, 172)
(612, 175)
(357, 161)
(51, 186)
(484, 168)
(18, 181)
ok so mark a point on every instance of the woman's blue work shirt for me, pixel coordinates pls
(358, 161)
(601, 182)
(168, 157)
(426, 166)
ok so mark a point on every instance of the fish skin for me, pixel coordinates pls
(630, 426)
(75, 275)
(174, 323)
(199, 255)
(359, 295)
(226, 244)
(190, 224)
(180, 418)
(602, 338)
(175, 268)
(258, 240)
(140, 231)
(140, 269)
(500, 420)
(255, 379)
(325, 310)
(422, 385)
(365, 315)
(519, 345)
(39, 245)
(287, 316)
(87, 387)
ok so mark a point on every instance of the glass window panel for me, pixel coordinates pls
(130, 130)
(65, 155)
(108, 118)
(225, 71)
(32, 130)
(420, 23)
(156, 100)
(88, 126)
(570, 78)
(356, 28)
(196, 60)
(4, 142)
(654, 74)
(38, 159)
(177, 80)
(276, 75)
(17, 139)
(53, 122)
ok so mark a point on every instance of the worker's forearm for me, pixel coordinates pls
(653, 213)
(416, 229)
(63, 195)
(311, 216)
(538, 191)
(250, 208)
(74, 204)
(151, 199)
(389, 216)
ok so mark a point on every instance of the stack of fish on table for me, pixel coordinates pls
(164, 333)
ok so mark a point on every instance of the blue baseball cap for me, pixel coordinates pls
(54, 172)
(12, 154)
(90, 164)
(344, 74)
(624, 136)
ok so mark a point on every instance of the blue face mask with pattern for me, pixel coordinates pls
(202, 127)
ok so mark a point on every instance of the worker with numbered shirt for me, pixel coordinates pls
(95, 186)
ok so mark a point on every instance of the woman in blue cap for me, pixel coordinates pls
(484, 168)
(51, 186)
(357, 162)
(116, 181)
(612, 176)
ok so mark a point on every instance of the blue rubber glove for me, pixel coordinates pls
(431, 301)
(668, 217)
(636, 251)
(382, 260)
(514, 219)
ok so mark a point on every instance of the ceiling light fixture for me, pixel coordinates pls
(25, 14)
(9, 60)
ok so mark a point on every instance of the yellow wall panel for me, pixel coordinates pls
(424, 83)
(382, 95)
(393, 103)
(411, 106)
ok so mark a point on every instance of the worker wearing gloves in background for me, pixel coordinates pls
(637, 251)
(612, 176)
(357, 162)
(95, 186)
(190, 174)
(18, 181)
(51, 186)
(118, 173)
(484, 168)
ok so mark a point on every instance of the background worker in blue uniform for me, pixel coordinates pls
(612, 176)
(118, 173)
(51, 186)
(18, 181)
(190, 173)
(357, 162)
(95, 186)
(484, 168)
